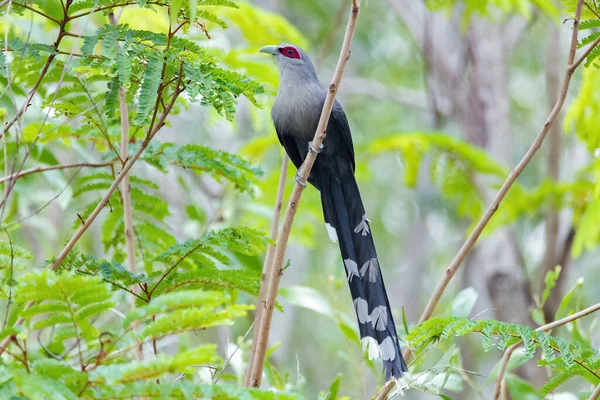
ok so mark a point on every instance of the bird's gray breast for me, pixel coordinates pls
(297, 109)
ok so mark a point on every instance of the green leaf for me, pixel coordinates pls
(334, 388)
(149, 89)
(201, 159)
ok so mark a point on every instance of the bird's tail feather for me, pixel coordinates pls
(343, 210)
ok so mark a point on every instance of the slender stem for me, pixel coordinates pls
(595, 394)
(74, 54)
(37, 12)
(543, 328)
(21, 165)
(54, 168)
(30, 95)
(171, 268)
(267, 263)
(585, 54)
(512, 177)
(592, 9)
(304, 171)
(128, 3)
(179, 27)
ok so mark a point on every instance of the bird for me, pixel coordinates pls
(295, 114)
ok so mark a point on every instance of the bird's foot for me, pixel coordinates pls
(312, 149)
(299, 179)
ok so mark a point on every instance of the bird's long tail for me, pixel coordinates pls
(343, 211)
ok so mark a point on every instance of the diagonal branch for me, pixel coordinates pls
(512, 177)
(276, 268)
(37, 12)
(595, 394)
(54, 168)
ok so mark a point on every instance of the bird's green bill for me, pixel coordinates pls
(269, 50)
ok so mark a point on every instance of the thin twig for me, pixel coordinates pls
(595, 394)
(30, 95)
(12, 183)
(37, 12)
(304, 171)
(592, 9)
(54, 168)
(512, 177)
(267, 263)
(217, 377)
(128, 3)
(543, 328)
(10, 279)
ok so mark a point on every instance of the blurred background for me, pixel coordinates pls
(443, 100)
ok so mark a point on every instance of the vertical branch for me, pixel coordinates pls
(267, 263)
(125, 185)
(550, 258)
(512, 177)
(304, 171)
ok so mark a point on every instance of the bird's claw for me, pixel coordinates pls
(299, 179)
(312, 149)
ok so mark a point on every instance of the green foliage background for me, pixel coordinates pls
(203, 190)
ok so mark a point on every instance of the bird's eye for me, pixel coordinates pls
(289, 52)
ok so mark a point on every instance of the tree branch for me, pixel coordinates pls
(512, 177)
(595, 394)
(31, 93)
(37, 12)
(549, 261)
(53, 168)
(126, 187)
(542, 328)
(128, 3)
(267, 263)
(276, 268)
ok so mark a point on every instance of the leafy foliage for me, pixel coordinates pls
(218, 164)
(564, 358)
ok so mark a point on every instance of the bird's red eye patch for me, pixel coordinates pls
(289, 52)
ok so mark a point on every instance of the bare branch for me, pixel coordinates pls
(267, 263)
(542, 328)
(512, 177)
(595, 394)
(54, 168)
(304, 171)
(126, 188)
(37, 12)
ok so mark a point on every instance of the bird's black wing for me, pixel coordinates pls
(338, 125)
(291, 148)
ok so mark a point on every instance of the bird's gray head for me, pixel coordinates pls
(293, 62)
